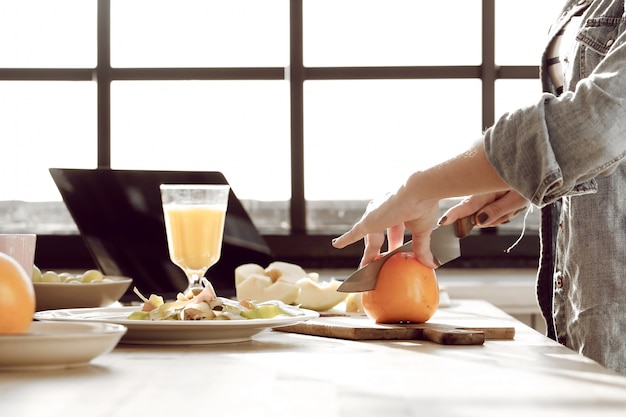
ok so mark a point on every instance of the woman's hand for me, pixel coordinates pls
(492, 209)
(394, 212)
(415, 206)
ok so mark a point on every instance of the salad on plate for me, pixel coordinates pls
(206, 306)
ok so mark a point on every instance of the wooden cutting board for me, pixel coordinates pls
(467, 331)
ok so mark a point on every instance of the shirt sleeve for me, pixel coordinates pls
(557, 146)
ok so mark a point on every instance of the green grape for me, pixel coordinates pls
(92, 275)
(73, 279)
(65, 276)
(36, 275)
(50, 276)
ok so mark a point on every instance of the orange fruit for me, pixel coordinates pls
(406, 291)
(17, 297)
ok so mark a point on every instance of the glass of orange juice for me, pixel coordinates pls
(194, 224)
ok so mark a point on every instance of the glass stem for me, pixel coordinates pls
(195, 282)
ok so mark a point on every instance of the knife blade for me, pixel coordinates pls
(444, 244)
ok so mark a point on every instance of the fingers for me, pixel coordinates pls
(421, 247)
(491, 209)
(373, 243)
(395, 237)
(467, 207)
(501, 210)
(389, 214)
(371, 221)
(346, 239)
(420, 233)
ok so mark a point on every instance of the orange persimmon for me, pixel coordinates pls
(406, 291)
(17, 297)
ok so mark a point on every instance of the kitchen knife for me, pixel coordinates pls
(444, 244)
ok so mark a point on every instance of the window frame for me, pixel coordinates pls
(482, 249)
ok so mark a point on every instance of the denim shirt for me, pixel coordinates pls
(566, 153)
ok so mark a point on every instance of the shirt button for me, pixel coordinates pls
(609, 42)
(559, 282)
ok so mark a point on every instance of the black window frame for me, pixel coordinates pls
(482, 249)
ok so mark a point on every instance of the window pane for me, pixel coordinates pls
(238, 127)
(44, 33)
(363, 138)
(199, 33)
(43, 125)
(513, 94)
(521, 32)
(388, 33)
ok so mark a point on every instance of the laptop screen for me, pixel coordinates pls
(120, 218)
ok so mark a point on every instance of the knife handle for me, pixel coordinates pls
(462, 228)
(465, 225)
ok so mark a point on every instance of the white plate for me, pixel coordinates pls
(57, 345)
(175, 332)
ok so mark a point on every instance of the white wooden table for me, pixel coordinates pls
(283, 374)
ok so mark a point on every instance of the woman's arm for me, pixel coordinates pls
(415, 205)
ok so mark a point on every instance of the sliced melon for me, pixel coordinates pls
(285, 271)
(319, 296)
(354, 304)
(261, 288)
(243, 272)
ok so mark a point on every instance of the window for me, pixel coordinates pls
(366, 33)
(291, 99)
(238, 127)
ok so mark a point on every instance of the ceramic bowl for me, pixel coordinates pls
(55, 295)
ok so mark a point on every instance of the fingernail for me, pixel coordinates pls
(442, 220)
(334, 240)
(482, 218)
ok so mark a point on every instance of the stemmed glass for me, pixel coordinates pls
(194, 224)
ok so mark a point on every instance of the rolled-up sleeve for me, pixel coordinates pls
(557, 146)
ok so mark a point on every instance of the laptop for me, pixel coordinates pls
(120, 218)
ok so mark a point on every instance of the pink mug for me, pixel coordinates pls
(20, 247)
